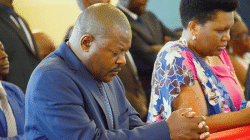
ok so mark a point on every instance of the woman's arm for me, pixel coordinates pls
(225, 121)
(193, 97)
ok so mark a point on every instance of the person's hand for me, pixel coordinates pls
(183, 124)
(156, 47)
(166, 39)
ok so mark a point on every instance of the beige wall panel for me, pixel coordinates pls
(53, 17)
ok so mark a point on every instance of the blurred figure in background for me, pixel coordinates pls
(247, 85)
(44, 44)
(148, 37)
(19, 45)
(134, 91)
(238, 46)
(82, 4)
(11, 104)
(244, 11)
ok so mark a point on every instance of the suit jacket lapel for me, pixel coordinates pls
(32, 38)
(75, 64)
(94, 89)
(136, 25)
(151, 27)
(6, 18)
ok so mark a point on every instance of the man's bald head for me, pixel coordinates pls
(100, 38)
(98, 21)
(82, 4)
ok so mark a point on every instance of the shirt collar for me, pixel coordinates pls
(131, 14)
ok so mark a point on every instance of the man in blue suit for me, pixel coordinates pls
(11, 126)
(75, 92)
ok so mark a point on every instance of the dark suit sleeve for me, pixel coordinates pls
(170, 33)
(133, 89)
(247, 85)
(165, 30)
(141, 50)
(56, 111)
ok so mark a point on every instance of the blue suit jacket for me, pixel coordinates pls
(16, 100)
(63, 102)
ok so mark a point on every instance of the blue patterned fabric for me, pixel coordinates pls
(106, 101)
(172, 70)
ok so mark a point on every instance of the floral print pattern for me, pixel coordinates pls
(172, 70)
(168, 76)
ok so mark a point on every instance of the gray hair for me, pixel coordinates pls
(99, 20)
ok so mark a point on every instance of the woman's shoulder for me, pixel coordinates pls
(10, 86)
(176, 45)
(172, 47)
(173, 50)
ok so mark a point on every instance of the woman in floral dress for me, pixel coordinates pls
(196, 71)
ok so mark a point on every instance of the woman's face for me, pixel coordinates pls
(239, 38)
(213, 36)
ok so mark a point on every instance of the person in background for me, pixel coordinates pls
(134, 91)
(11, 104)
(148, 37)
(19, 45)
(247, 84)
(82, 4)
(238, 46)
(196, 71)
(44, 44)
(75, 92)
(244, 10)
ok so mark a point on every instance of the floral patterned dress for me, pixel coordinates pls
(176, 66)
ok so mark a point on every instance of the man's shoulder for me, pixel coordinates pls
(151, 15)
(52, 62)
(12, 89)
(8, 84)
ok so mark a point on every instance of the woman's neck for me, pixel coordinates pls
(190, 43)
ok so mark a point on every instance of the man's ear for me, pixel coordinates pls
(86, 41)
(193, 26)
